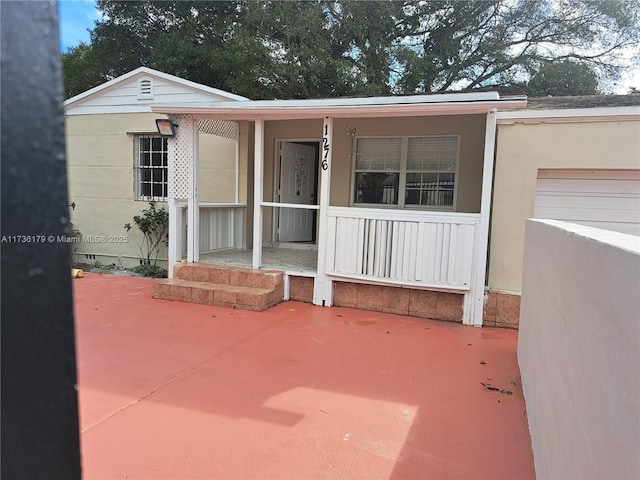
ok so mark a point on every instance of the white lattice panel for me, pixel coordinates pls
(219, 128)
(180, 149)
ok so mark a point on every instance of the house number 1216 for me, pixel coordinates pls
(325, 148)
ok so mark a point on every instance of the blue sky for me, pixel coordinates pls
(75, 17)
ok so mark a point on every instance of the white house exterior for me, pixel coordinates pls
(117, 161)
(410, 205)
(424, 226)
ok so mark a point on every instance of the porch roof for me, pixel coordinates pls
(341, 107)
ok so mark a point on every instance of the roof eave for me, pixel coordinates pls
(245, 111)
(573, 113)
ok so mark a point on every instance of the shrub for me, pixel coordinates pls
(150, 271)
(154, 225)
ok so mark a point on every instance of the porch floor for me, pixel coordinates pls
(300, 259)
(175, 390)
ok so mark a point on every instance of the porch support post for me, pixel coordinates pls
(174, 249)
(236, 197)
(193, 208)
(258, 188)
(474, 300)
(323, 286)
(175, 158)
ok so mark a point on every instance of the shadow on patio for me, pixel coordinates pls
(176, 390)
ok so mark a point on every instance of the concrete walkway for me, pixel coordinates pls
(173, 390)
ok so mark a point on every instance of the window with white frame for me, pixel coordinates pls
(406, 172)
(151, 167)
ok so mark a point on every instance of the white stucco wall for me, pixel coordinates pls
(579, 350)
(101, 173)
(522, 148)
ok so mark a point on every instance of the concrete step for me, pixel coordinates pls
(222, 286)
(228, 275)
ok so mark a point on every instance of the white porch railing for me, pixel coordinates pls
(423, 249)
(220, 226)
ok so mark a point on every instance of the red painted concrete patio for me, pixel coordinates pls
(174, 390)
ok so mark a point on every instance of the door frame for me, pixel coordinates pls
(276, 181)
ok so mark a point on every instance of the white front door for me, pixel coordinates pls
(297, 185)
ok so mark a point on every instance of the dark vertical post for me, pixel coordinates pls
(40, 437)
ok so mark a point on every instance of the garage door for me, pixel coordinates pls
(608, 199)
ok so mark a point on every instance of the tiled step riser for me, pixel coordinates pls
(209, 295)
(228, 275)
(222, 286)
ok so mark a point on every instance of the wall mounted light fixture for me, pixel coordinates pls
(166, 128)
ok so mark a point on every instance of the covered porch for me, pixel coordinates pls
(368, 220)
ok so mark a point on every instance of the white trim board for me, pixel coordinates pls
(414, 105)
(606, 114)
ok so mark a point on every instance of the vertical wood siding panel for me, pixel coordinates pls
(331, 244)
(420, 252)
(406, 251)
(453, 255)
(410, 274)
(391, 248)
(444, 259)
(437, 252)
(340, 267)
(354, 250)
(360, 245)
(382, 251)
(466, 256)
(400, 250)
(429, 269)
(205, 241)
(371, 247)
(395, 254)
(365, 246)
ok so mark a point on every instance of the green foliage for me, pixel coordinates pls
(325, 48)
(194, 40)
(563, 78)
(154, 225)
(97, 265)
(81, 70)
(150, 271)
(452, 44)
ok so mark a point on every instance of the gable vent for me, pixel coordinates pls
(145, 88)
